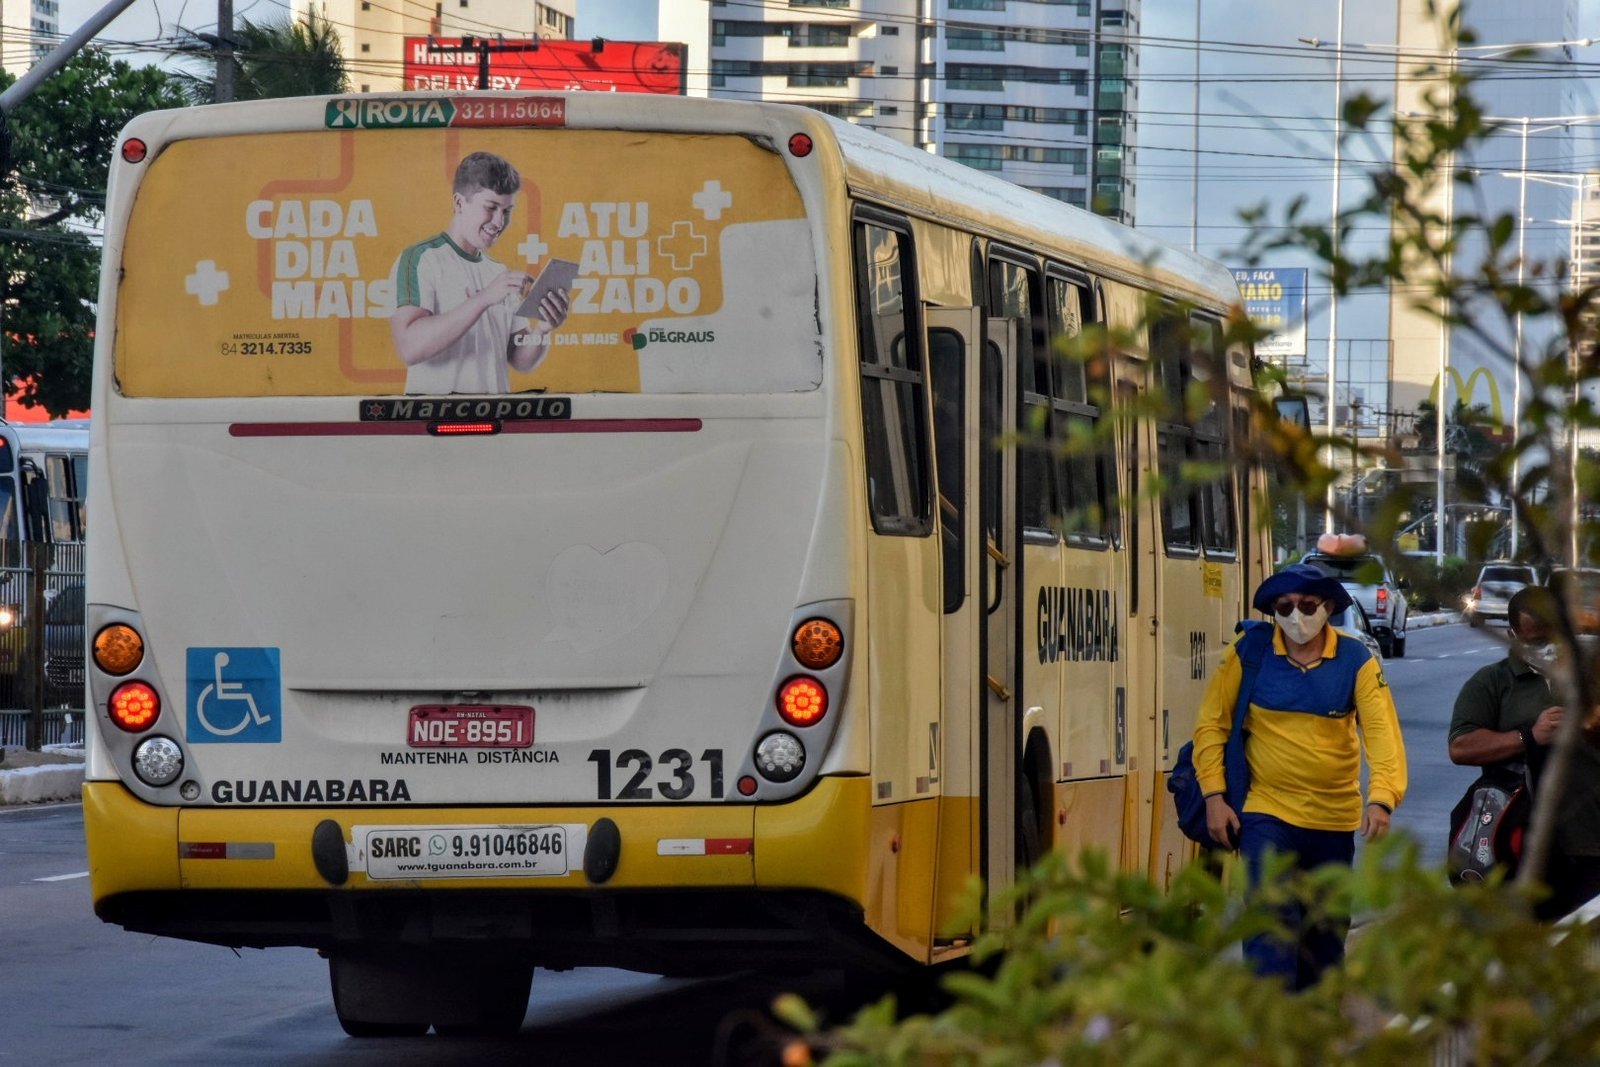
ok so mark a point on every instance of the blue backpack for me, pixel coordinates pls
(1255, 638)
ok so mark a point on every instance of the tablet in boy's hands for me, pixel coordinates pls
(557, 274)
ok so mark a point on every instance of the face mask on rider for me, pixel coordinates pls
(1301, 628)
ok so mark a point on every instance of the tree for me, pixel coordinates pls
(52, 195)
(278, 58)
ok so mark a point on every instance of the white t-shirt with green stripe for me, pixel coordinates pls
(437, 275)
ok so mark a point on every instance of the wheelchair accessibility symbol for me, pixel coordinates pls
(234, 695)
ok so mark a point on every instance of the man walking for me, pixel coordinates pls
(1318, 699)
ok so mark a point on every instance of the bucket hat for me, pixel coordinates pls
(1301, 578)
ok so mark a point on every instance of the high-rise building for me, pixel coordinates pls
(1586, 233)
(1586, 246)
(1039, 92)
(373, 32)
(31, 28)
(1532, 95)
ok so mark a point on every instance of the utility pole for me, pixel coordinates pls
(481, 47)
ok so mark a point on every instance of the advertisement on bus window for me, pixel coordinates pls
(465, 260)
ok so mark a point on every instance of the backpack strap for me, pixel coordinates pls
(1252, 645)
(1255, 638)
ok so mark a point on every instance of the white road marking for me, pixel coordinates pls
(63, 877)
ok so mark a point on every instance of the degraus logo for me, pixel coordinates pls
(641, 338)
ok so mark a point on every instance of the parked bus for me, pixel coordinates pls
(740, 625)
(44, 484)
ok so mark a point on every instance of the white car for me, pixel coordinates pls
(1353, 621)
(1497, 582)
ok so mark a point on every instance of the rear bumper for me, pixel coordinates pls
(797, 893)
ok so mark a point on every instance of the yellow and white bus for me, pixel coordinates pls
(737, 629)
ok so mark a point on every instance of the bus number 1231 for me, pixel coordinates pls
(679, 787)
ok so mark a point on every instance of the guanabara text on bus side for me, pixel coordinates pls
(593, 531)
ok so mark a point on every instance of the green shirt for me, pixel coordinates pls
(1508, 695)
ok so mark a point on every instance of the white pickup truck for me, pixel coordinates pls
(1369, 581)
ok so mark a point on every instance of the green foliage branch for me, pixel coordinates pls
(1085, 965)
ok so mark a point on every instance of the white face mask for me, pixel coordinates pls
(1540, 657)
(1300, 628)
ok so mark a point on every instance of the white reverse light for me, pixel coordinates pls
(157, 760)
(780, 757)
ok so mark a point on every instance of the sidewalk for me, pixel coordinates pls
(56, 773)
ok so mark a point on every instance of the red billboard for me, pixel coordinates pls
(456, 63)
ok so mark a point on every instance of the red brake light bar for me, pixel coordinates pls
(463, 429)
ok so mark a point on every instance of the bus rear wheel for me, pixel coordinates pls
(491, 999)
(402, 995)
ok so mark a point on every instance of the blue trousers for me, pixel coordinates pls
(1313, 947)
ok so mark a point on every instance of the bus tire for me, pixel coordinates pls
(379, 998)
(490, 999)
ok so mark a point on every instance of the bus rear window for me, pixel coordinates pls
(298, 264)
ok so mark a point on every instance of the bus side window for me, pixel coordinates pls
(66, 497)
(79, 467)
(1180, 508)
(1085, 478)
(10, 534)
(946, 356)
(1013, 290)
(35, 503)
(1210, 368)
(894, 425)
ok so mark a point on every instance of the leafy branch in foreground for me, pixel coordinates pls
(1103, 967)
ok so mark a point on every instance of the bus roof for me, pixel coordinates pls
(960, 193)
(69, 434)
(874, 165)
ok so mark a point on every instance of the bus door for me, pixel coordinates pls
(954, 755)
(999, 615)
(1143, 554)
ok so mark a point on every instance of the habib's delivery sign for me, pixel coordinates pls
(455, 63)
(417, 247)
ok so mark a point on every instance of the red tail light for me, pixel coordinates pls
(802, 701)
(1383, 600)
(134, 706)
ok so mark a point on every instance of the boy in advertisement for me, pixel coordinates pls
(455, 325)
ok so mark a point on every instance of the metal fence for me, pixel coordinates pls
(42, 642)
(60, 727)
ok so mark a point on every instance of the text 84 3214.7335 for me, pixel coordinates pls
(267, 348)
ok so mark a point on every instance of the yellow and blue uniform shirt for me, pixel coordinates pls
(1307, 727)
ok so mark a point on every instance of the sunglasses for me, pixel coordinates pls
(1307, 605)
